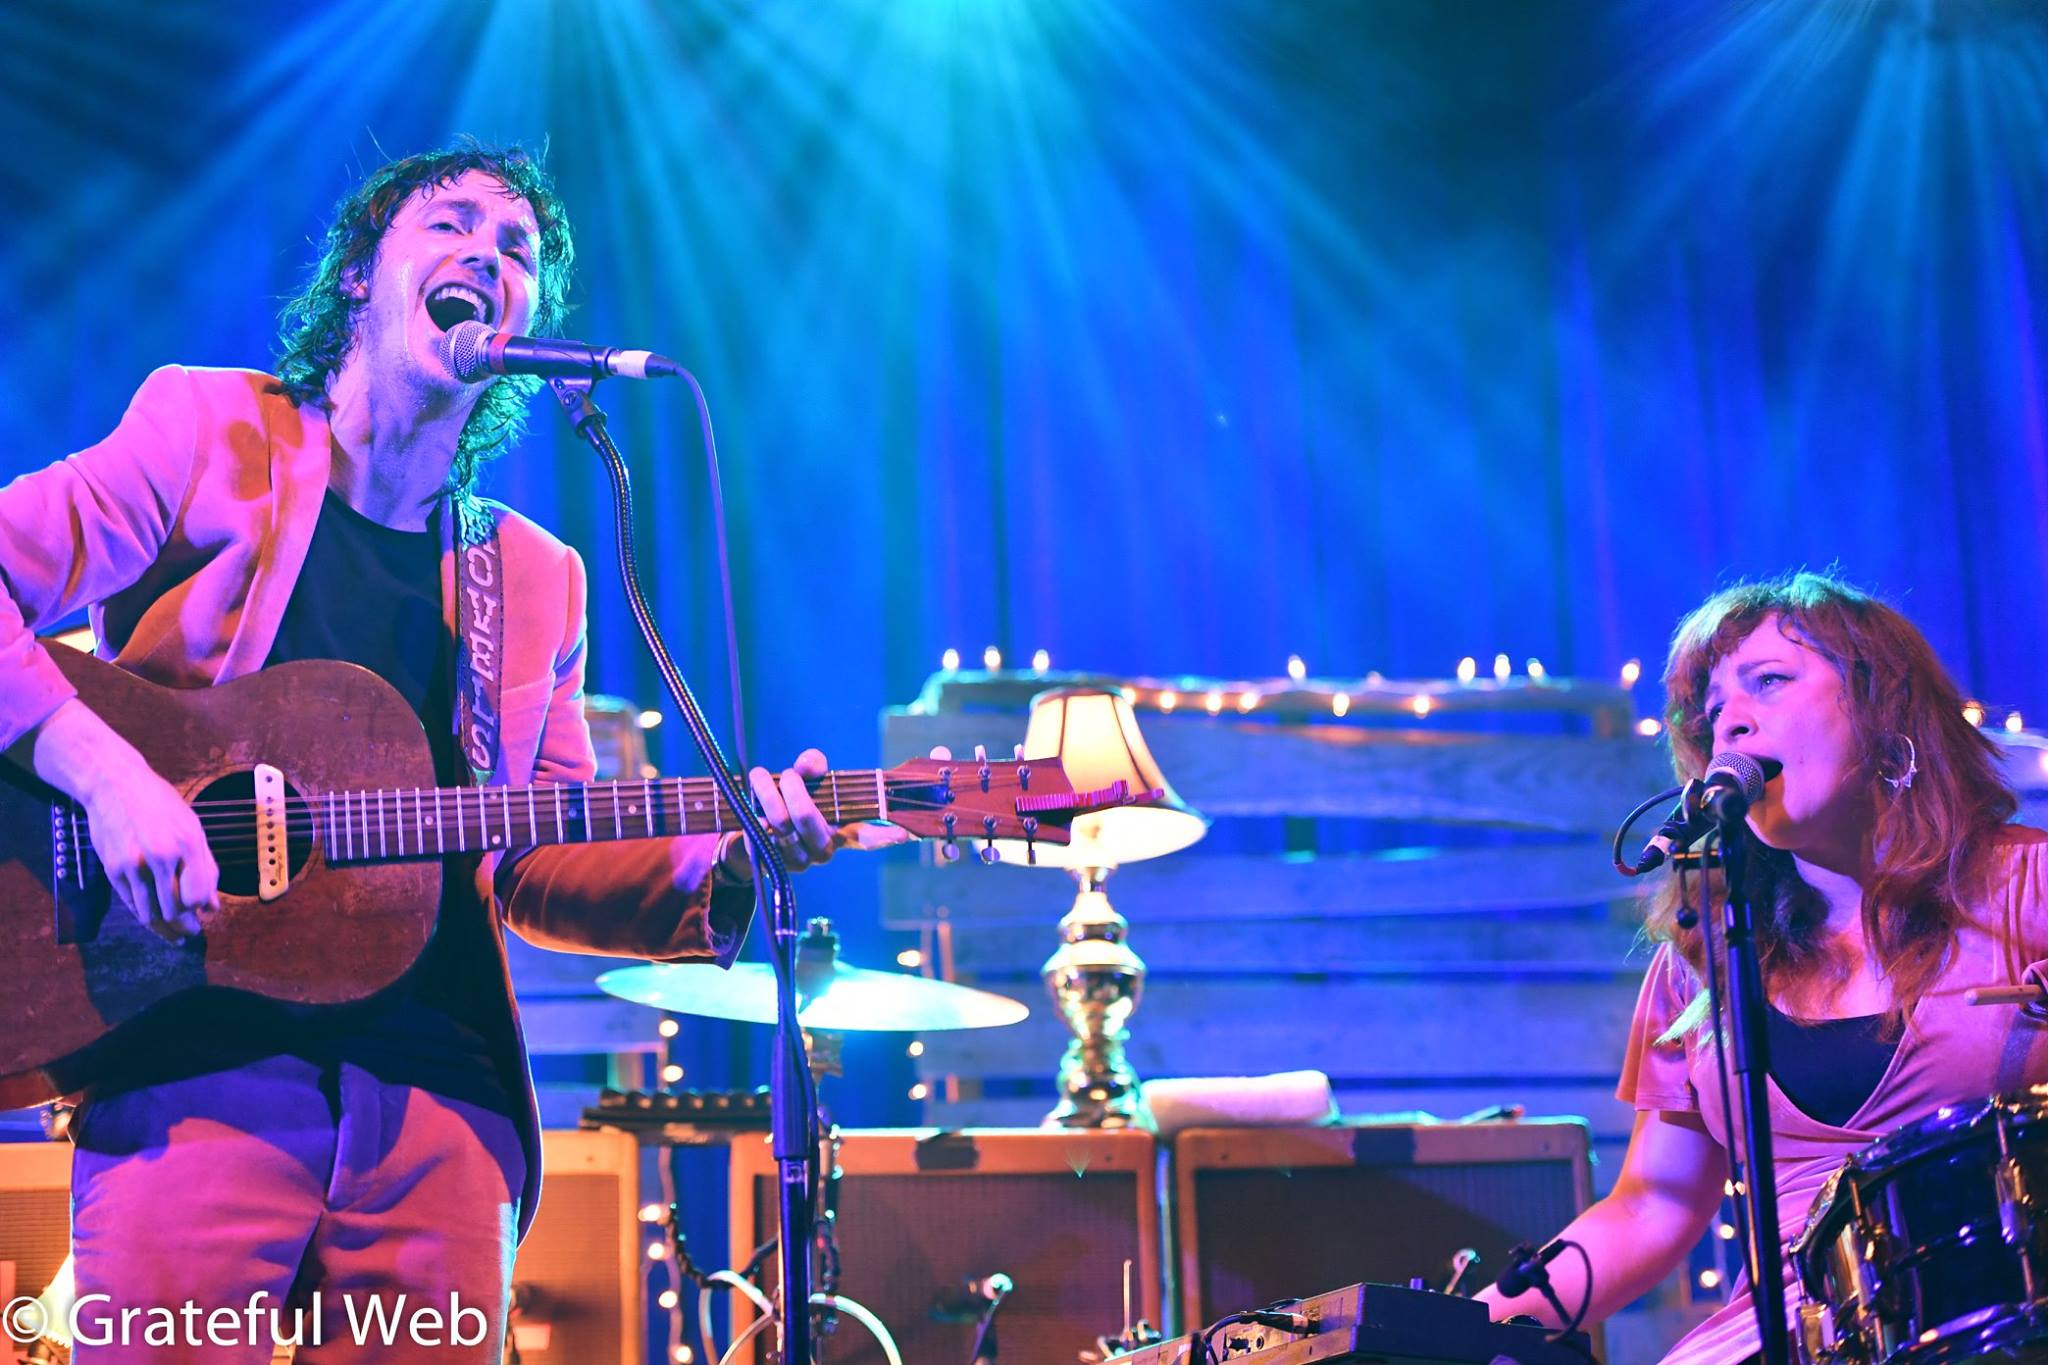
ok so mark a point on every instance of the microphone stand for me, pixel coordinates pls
(1748, 1034)
(793, 1112)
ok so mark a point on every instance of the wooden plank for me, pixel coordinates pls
(1573, 1097)
(588, 1024)
(1240, 768)
(1195, 887)
(1344, 1026)
(1604, 703)
(1571, 941)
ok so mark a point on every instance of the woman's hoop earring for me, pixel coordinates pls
(1904, 780)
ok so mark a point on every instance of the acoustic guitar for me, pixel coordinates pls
(315, 786)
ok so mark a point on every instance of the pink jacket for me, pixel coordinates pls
(185, 531)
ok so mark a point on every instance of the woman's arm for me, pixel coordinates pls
(1671, 1183)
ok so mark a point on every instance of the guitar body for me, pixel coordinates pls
(79, 963)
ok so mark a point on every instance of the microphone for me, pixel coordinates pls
(473, 353)
(972, 1298)
(1733, 783)
(1528, 1268)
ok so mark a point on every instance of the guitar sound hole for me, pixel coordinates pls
(227, 811)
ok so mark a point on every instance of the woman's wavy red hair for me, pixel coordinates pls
(1930, 841)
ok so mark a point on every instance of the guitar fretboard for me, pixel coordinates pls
(374, 826)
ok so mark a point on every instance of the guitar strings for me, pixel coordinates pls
(662, 787)
(224, 835)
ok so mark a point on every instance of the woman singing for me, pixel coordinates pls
(1886, 881)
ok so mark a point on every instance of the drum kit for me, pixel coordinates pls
(833, 998)
(1930, 1247)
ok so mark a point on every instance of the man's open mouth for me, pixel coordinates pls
(450, 304)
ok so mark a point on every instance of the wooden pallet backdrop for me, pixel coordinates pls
(1422, 906)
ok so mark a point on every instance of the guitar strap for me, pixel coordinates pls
(479, 636)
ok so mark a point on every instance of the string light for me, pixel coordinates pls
(912, 958)
(1341, 705)
(1973, 712)
(1501, 668)
(1630, 672)
(920, 1090)
(651, 1213)
(1247, 701)
(1535, 670)
(1725, 1231)
(668, 1028)
(950, 661)
(1296, 669)
(916, 1049)
(1468, 669)
(1041, 661)
(671, 1073)
(668, 1298)
(1130, 693)
(1374, 678)
(649, 719)
(2044, 760)
(1421, 705)
(1168, 700)
(2013, 723)
(657, 1251)
(1649, 727)
(1213, 703)
(991, 658)
(684, 1355)
(1710, 1279)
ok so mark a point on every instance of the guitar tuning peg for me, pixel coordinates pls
(990, 854)
(949, 852)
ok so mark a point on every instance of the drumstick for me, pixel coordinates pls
(2004, 995)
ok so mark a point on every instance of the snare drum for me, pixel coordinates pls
(1930, 1247)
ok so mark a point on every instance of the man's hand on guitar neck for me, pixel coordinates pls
(144, 834)
(800, 829)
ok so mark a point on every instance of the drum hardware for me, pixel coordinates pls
(1928, 1247)
(832, 999)
(841, 998)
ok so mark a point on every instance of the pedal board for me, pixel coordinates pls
(1383, 1323)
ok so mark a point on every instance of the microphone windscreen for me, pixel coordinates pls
(463, 347)
(1748, 774)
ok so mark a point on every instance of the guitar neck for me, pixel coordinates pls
(377, 826)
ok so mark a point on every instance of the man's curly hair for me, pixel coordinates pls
(318, 326)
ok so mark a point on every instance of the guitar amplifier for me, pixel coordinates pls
(1263, 1213)
(35, 1220)
(579, 1283)
(922, 1211)
(1381, 1324)
(578, 1278)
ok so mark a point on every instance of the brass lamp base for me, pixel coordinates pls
(1095, 981)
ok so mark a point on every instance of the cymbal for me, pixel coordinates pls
(854, 1000)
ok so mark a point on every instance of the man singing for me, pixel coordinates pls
(232, 1147)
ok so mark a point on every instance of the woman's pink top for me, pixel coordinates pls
(1951, 1053)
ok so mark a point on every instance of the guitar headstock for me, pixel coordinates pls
(979, 800)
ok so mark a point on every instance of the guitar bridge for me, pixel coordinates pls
(273, 852)
(81, 897)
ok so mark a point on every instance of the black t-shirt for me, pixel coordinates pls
(1829, 1067)
(367, 595)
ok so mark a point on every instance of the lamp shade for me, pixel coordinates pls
(1094, 734)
